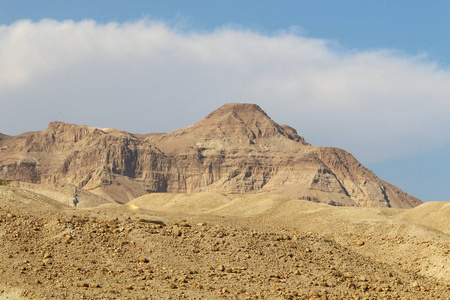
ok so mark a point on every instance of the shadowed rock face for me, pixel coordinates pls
(235, 149)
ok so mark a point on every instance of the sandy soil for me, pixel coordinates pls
(209, 246)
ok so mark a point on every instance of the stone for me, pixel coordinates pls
(172, 285)
(143, 260)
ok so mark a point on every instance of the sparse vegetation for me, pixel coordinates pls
(4, 182)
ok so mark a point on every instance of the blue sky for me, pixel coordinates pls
(410, 26)
(367, 76)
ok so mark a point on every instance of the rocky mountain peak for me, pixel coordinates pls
(60, 132)
(234, 125)
(65, 132)
(237, 119)
(242, 121)
(59, 125)
(240, 110)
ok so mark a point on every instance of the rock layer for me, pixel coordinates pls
(235, 149)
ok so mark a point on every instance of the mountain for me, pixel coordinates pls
(236, 149)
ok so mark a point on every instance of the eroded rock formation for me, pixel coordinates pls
(235, 149)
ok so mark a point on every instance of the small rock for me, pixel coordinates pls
(337, 274)
(143, 260)
(313, 294)
(184, 223)
(360, 243)
(415, 284)
(172, 286)
(348, 275)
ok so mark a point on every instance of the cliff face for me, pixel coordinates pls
(235, 149)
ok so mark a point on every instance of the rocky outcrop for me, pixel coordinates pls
(235, 149)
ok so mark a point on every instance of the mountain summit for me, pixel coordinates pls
(236, 149)
(244, 120)
(232, 125)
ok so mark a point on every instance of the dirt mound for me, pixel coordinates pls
(66, 194)
(432, 214)
(28, 200)
(180, 203)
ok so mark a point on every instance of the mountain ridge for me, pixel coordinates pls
(235, 149)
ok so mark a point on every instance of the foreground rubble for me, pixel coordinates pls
(76, 254)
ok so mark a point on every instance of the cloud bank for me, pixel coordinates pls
(151, 77)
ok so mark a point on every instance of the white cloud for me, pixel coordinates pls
(147, 76)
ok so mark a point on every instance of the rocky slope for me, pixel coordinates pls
(52, 251)
(236, 149)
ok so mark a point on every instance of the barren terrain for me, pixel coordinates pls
(233, 206)
(213, 246)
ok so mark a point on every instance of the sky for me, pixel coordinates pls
(371, 77)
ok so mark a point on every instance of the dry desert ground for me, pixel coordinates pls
(215, 246)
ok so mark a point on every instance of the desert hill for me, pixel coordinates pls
(431, 214)
(421, 233)
(237, 149)
(212, 246)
